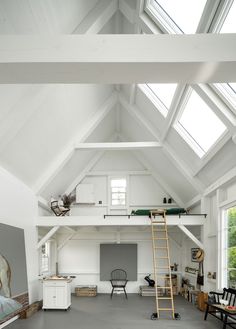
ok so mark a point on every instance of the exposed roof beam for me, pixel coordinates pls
(133, 89)
(173, 111)
(47, 236)
(117, 173)
(127, 11)
(117, 146)
(191, 236)
(198, 58)
(67, 239)
(67, 153)
(229, 177)
(97, 17)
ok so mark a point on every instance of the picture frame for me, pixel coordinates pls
(193, 254)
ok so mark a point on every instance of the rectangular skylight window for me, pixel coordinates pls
(161, 94)
(228, 93)
(177, 16)
(229, 25)
(199, 125)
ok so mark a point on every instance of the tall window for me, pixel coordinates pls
(118, 191)
(45, 257)
(231, 247)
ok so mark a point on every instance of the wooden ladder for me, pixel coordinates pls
(161, 263)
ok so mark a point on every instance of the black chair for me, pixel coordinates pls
(118, 280)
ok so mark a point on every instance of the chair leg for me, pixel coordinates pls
(125, 294)
(206, 313)
(225, 321)
(112, 292)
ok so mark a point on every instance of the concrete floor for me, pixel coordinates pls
(117, 313)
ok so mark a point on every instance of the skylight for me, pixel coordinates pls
(199, 125)
(229, 25)
(162, 95)
(228, 91)
(177, 16)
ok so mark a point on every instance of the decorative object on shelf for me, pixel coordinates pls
(68, 199)
(209, 275)
(214, 275)
(164, 200)
(191, 270)
(199, 259)
(176, 267)
(149, 280)
(169, 200)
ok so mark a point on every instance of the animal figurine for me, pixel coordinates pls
(149, 280)
(5, 276)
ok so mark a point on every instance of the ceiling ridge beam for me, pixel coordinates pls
(57, 165)
(21, 112)
(117, 145)
(97, 18)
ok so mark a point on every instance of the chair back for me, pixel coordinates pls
(119, 275)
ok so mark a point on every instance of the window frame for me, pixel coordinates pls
(110, 178)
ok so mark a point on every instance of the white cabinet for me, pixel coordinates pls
(56, 294)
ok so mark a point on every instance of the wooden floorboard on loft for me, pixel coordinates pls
(102, 312)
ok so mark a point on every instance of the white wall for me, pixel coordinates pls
(18, 208)
(80, 256)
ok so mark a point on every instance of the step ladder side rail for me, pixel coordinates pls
(154, 267)
(170, 276)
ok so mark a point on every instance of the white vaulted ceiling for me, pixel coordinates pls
(40, 124)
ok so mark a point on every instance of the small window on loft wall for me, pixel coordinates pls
(229, 25)
(199, 125)
(118, 191)
(45, 257)
(228, 92)
(229, 252)
(161, 94)
(176, 16)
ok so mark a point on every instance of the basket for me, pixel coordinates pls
(86, 291)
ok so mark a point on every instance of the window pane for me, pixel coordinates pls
(231, 251)
(228, 91)
(185, 13)
(118, 189)
(118, 182)
(118, 202)
(229, 25)
(164, 92)
(201, 123)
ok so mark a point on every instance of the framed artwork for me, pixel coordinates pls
(193, 254)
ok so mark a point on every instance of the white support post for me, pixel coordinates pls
(43, 203)
(47, 236)
(117, 146)
(191, 236)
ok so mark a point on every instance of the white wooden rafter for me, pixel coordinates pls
(198, 58)
(127, 11)
(97, 17)
(53, 230)
(117, 145)
(191, 236)
(43, 203)
(67, 239)
(195, 200)
(68, 152)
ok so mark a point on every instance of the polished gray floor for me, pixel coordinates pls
(117, 313)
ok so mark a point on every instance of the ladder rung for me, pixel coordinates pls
(164, 297)
(157, 238)
(160, 247)
(163, 287)
(161, 258)
(165, 309)
(162, 267)
(158, 222)
(159, 230)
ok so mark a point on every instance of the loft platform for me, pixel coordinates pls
(117, 220)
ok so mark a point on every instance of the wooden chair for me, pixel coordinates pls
(58, 209)
(118, 280)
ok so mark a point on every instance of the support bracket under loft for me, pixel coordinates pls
(190, 236)
(47, 236)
